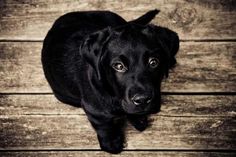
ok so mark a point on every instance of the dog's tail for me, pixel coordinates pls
(146, 18)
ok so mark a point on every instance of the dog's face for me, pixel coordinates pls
(132, 61)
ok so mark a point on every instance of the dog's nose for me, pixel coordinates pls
(139, 99)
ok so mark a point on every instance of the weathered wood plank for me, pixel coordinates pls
(202, 67)
(21, 68)
(198, 19)
(123, 154)
(74, 132)
(173, 105)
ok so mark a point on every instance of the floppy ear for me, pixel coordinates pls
(92, 49)
(168, 40)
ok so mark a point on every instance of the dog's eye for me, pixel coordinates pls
(153, 62)
(119, 67)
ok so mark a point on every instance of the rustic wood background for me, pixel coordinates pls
(198, 115)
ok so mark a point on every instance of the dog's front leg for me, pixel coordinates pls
(109, 132)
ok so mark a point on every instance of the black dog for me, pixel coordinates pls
(111, 68)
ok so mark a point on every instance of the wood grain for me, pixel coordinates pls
(172, 105)
(202, 67)
(123, 154)
(74, 132)
(192, 19)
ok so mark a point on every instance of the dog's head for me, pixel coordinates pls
(131, 61)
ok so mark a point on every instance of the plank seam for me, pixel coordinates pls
(198, 93)
(83, 114)
(127, 150)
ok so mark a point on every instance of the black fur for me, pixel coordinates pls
(83, 55)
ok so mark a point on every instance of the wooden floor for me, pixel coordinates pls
(198, 117)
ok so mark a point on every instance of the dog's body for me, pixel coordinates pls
(110, 67)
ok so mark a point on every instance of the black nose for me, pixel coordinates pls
(139, 99)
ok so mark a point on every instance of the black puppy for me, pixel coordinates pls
(109, 67)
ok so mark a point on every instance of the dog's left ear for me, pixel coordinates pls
(168, 40)
(92, 49)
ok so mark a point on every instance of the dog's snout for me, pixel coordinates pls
(139, 99)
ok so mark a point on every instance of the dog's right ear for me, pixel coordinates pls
(92, 49)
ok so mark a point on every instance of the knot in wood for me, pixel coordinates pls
(184, 15)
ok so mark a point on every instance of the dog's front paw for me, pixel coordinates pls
(113, 144)
(140, 123)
